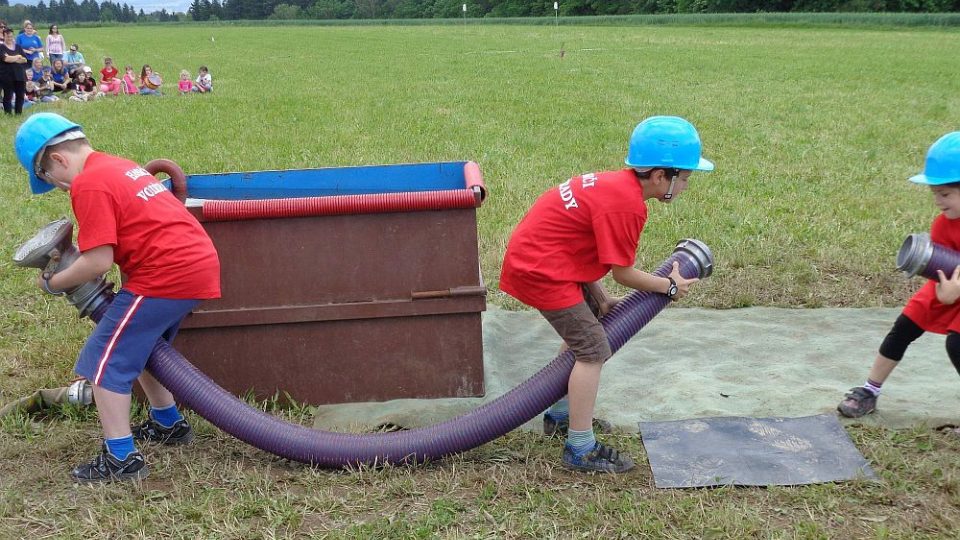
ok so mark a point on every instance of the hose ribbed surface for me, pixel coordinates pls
(943, 258)
(374, 203)
(470, 430)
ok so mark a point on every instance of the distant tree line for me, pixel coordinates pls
(67, 11)
(203, 10)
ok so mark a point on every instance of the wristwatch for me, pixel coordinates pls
(673, 290)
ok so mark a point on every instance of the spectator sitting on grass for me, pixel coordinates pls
(84, 89)
(150, 81)
(45, 90)
(61, 78)
(36, 67)
(185, 85)
(109, 83)
(73, 59)
(204, 81)
(129, 81)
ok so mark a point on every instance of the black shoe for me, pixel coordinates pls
(107, 468)
(858, 402)
(601, 459)
(150, 431)
(559, 428)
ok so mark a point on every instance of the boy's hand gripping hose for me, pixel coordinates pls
(329, 449)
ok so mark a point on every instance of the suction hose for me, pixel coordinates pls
(328, 449)
(921, 256)
(492, 420)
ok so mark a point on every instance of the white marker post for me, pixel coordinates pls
(556, 13)
(464, 14)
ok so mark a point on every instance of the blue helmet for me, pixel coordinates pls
(943, 162)
(666, 141)
(35, 134)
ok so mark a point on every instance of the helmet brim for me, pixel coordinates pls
(705, 165)
(38, 186)
(932, 180)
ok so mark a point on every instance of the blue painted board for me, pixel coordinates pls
(327, 181)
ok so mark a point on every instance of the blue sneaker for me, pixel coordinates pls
(106, 468)
(150, 431)
(601, 459)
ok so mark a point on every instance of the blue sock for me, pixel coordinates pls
(581, 442)
(167, 416)
(560, 410)
(121, 447)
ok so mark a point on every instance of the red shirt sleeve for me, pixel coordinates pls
(96, 218)
(618, 235)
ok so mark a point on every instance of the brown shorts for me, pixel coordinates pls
(580, 330)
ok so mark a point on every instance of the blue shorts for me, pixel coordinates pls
(120, 345)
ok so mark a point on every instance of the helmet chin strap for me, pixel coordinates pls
(669, 194)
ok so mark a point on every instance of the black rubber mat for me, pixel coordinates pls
(751, 452)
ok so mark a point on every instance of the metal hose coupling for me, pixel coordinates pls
(920, 256)
(52, 249)
(699, 254)
(80, 392)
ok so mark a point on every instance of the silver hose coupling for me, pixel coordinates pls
(52, 250)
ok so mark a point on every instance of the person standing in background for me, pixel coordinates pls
(13, 76)
(55, 44)
(30, 42)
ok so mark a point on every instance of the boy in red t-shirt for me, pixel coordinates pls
(573, 236)
(934, 307)
(125, 216)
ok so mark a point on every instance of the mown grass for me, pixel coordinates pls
(511, 488)
(814, 132)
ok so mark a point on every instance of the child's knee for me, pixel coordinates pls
(903, 333)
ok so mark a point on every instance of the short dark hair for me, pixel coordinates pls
(65, 146)
(645, 175)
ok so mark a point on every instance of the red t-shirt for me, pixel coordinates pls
(572, 235)
(923, 308)
(161, 248)
(107, 74)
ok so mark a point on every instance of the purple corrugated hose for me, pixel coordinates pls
(919, 256)
(492, 420)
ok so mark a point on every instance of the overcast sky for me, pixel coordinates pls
(145, 5)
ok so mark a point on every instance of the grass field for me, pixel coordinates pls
(814, 132)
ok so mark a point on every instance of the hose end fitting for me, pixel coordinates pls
(915, 254)
(699, 254)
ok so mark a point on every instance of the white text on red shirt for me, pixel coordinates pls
(136, 173)
(151, 190)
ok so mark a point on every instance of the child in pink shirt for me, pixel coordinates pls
(185, 85)
(128, 84)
